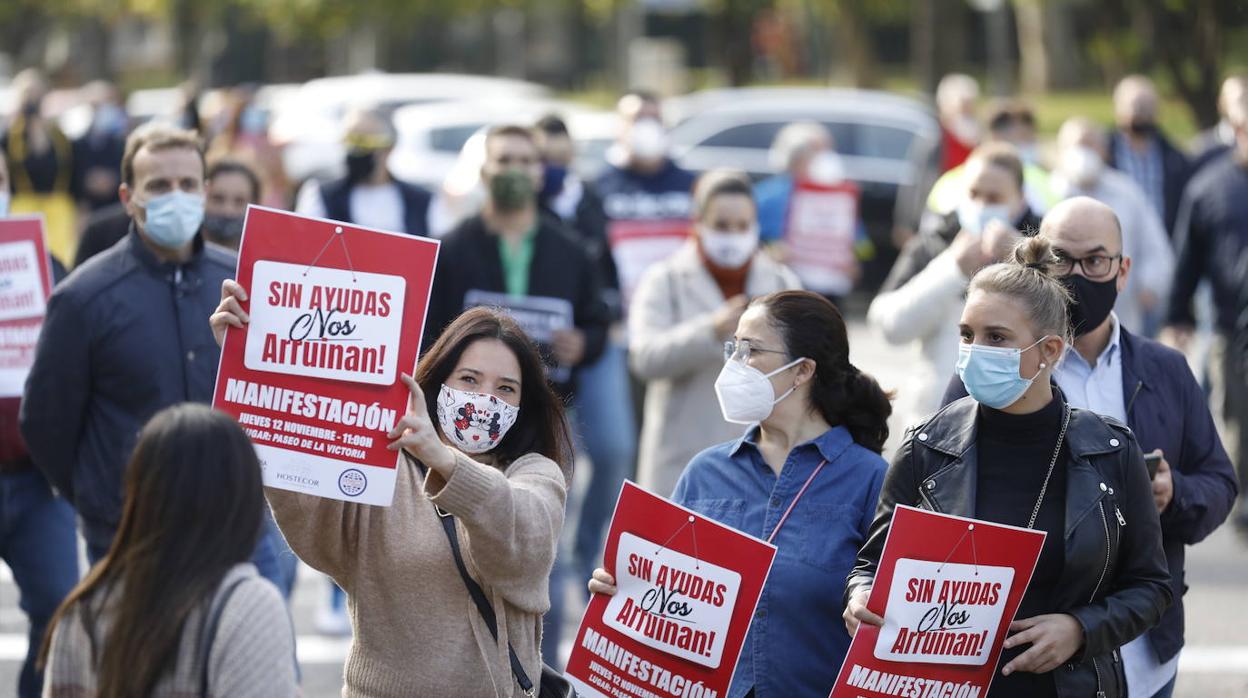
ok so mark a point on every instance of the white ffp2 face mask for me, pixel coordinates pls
(745, 393)
(729, 250)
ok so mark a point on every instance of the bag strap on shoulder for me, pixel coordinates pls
(482, 604)
(208, 631)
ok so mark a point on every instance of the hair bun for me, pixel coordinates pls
(1036, 253)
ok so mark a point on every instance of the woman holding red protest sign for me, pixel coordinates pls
(446, 587)
(805, 477)
(1015, 453)
(683, 310)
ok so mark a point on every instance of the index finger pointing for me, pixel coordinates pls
(416, 401)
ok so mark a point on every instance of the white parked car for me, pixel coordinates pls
(431, 136)
(308, 123)
(885, 141)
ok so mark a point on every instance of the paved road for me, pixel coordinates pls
(1214, 665)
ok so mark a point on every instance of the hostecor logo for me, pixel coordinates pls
(352, 482)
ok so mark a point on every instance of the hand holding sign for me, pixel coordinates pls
(1054, 638)
(416, 434)
(856, 612)
(229, 312)
(602, 583)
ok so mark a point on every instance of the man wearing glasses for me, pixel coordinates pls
(1148, 386)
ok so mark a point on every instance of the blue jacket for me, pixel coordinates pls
(1167, 409)
(125, 336)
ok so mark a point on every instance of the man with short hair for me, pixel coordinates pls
(368, 195)
(1081, 171)
(647, 196)
(1212, 240)
(1149, 387)
(230, 185)
(599, 409)
(511, 249)
(1139, 148)
(1219, 138)
(125, 336)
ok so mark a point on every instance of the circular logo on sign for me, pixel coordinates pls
(352, 482)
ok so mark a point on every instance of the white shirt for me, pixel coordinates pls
(1099, 389)
(372, 205)
(1144, 240)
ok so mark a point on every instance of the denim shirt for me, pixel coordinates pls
(797, 640)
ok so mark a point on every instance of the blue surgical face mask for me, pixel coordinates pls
(991, 376)
(173, 218)
(552, 181)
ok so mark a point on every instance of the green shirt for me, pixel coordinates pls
(517, 260)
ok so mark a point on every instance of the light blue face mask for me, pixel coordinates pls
(990, 374)
(974, 217)
(173, 218)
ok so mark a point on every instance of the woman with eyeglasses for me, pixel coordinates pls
(805, 476)
(683, 310)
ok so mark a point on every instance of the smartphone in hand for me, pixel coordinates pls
(1152, 461)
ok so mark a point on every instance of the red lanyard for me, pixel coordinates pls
(793, 503)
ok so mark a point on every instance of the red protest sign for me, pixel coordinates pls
(25, 284)
(948, 588)
(337, 312)
(636, 245)
(819, 235)
(688, 587)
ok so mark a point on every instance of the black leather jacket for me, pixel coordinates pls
(1114, 582)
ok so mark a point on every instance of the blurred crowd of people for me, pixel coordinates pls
(1036, 280)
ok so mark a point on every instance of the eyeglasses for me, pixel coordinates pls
(1095, 267)
(734, 349)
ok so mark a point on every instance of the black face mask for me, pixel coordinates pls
(1143, 127)
(360, 165)
(223, 227)
(1091, 301)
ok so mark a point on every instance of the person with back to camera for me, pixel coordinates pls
(805, 475)
(175, 608)
(418, 631)
(1014, 452)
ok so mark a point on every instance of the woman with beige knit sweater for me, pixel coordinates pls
(487, 443)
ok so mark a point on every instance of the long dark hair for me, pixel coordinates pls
(812, 328)
(193, 509)
(541, 426)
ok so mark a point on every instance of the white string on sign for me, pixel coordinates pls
(693, 532)
(336, 235)
(970, 531)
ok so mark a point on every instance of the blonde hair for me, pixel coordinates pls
(1029, 277)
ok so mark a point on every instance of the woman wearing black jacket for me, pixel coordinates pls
(1015, 453)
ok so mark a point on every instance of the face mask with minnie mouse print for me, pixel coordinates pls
(474, 422)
